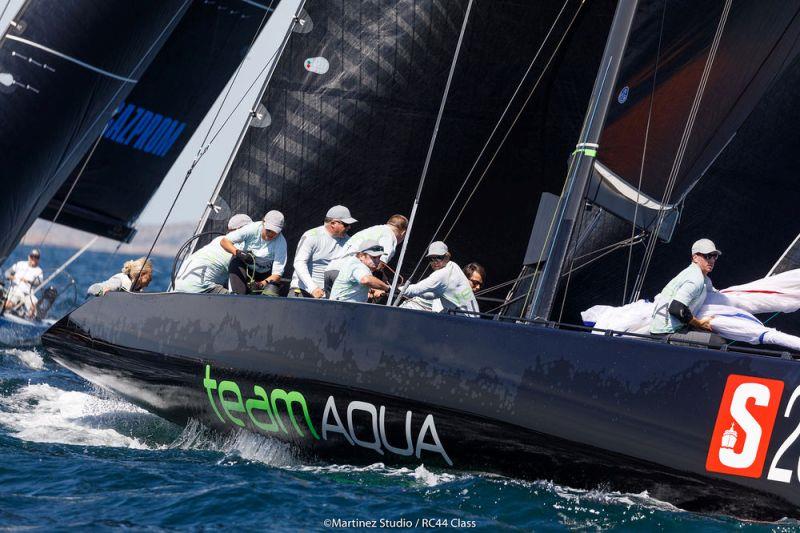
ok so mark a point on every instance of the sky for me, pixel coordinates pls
(206, 174)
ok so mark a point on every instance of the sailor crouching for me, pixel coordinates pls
(355, 280)
(678, 303)
(259, 255)
(447, 283)
(134, 277)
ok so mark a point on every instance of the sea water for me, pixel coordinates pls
(73, 455)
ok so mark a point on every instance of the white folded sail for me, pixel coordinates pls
(733, 310)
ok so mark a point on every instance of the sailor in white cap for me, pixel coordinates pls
(238, 220)
(25, 276)
(388, 235)
(318, 247)
(259, 255)
(447, 283)
(355, 280)
(683, 296)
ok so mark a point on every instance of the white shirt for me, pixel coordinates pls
(450, 285)
(316, 249)
(205, 268)
(26, 277)
(348, 287)
(382, 233)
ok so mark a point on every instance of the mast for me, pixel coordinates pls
(580, 168)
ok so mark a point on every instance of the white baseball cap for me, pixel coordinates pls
(705, 246)
(340, 212)
(273, 221)
(437, 248)
(237, 221)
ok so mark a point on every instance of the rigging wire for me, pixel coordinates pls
(644, 151)
(72, 187)
(508, 130)
(678, 161)
(425, 167)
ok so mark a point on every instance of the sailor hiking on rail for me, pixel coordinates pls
(135, 276)
(684, 295)
(316, 249)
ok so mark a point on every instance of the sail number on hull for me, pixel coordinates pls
(743, 429)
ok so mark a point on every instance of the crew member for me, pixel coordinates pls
(388, 235)
(134, 277)
(447, 282)
(25, 276)
(206, 270)
(316, 249)
(258, 254)
(355, 280)
(476, 275)
(683, 296)
(238, 220)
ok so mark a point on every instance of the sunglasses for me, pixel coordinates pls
(435, 258)
(342, 223)
(710, 256)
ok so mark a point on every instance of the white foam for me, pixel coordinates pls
(29, 358)
(42, 413)
(244, 444)
(419, 475)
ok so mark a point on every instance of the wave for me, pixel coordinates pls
(30, 358)
(43, 413)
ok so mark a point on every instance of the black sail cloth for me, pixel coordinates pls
(357, 133)
(158, 118)
(743, 197)
(65, 66)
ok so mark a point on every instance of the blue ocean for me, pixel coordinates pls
(74, 456)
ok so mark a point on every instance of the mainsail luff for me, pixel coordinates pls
(581, 165)
(288, 6)
(65, 66)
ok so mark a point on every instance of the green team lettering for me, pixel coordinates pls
(232, 405)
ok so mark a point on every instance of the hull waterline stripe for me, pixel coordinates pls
(72, 59)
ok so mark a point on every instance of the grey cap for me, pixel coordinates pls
(273, 221)
(34, 252)
(370, 247)
(340, 212)
(437, 248)
(705, 246)
(237, 221)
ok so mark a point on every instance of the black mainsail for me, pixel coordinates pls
(150, 129)
(64, 67)
(356, 131)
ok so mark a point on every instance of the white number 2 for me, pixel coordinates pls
(784, 475)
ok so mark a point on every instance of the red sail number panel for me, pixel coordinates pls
(744, 426)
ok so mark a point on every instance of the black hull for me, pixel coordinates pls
(341, 379)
